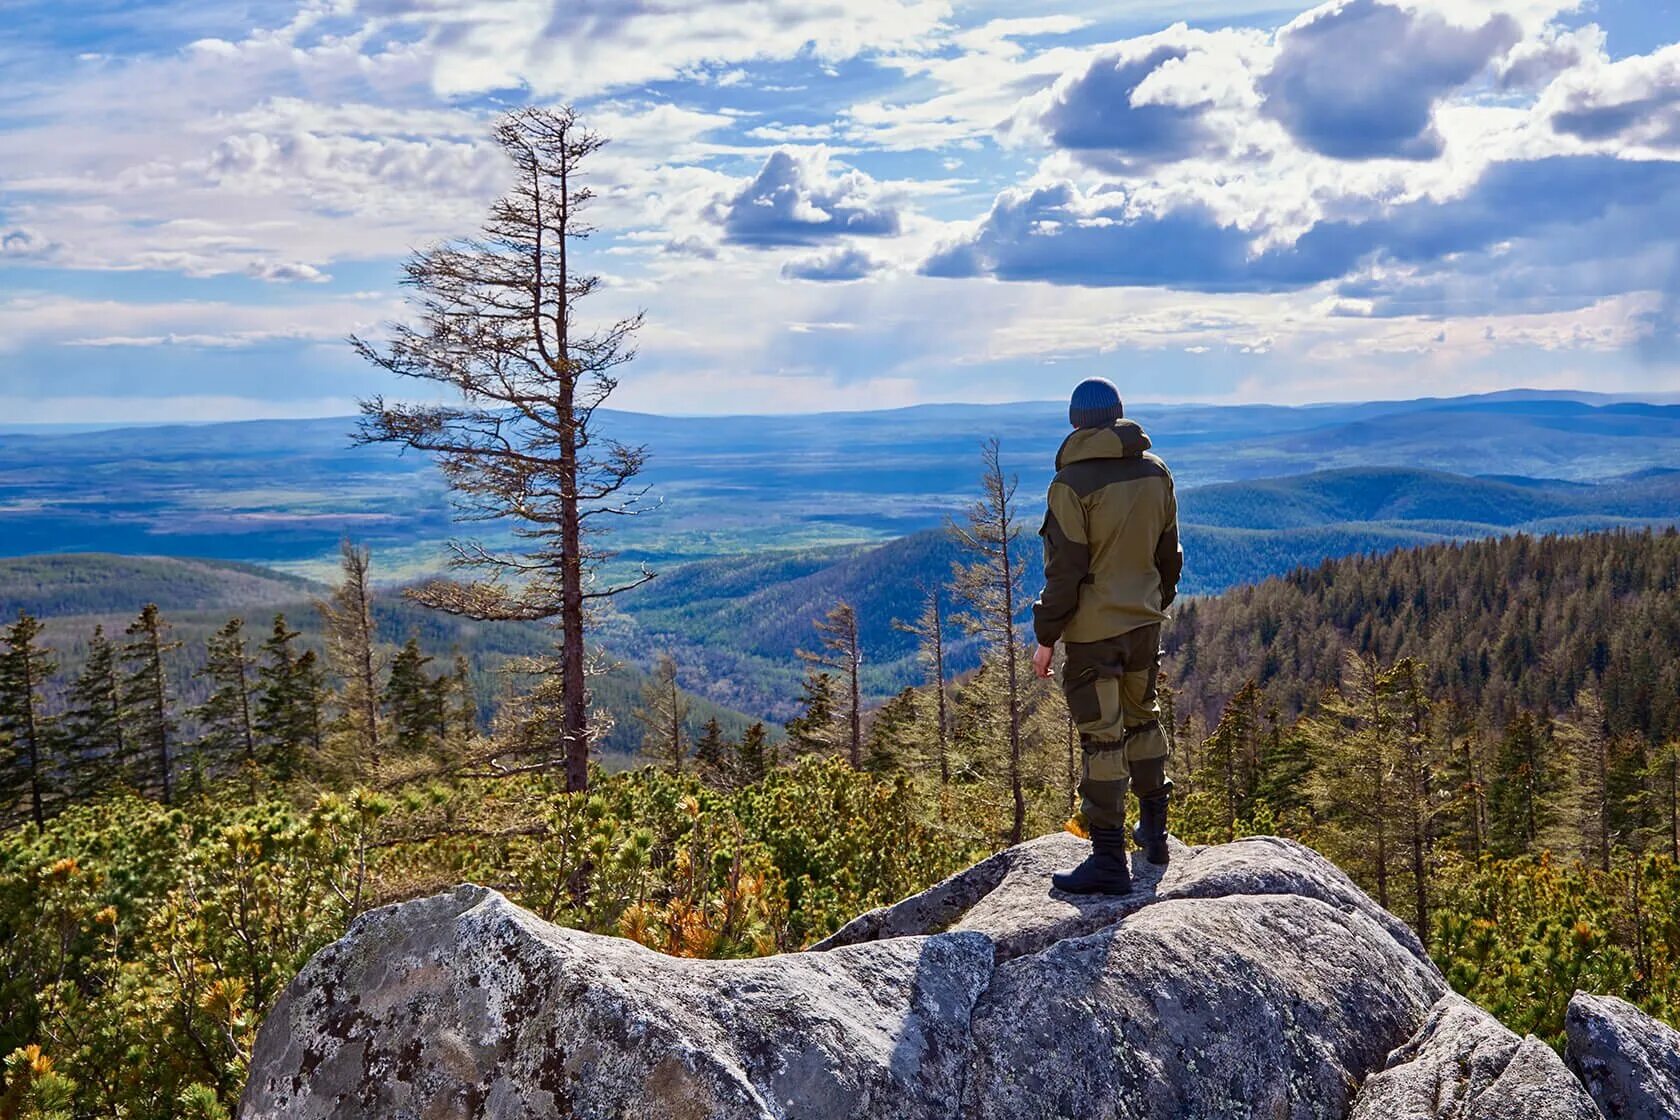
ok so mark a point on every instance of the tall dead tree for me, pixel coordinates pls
(929, 631)
(841, 653)
(496, 325)
(991, 586)
(352, 651)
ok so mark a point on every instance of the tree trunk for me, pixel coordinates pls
(1019, 825)
(854, 656)
(160, 714)
(37, 802)
(941, 739)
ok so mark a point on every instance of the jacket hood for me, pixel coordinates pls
(1124, 439)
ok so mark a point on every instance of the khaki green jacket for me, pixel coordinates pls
(1111, 552)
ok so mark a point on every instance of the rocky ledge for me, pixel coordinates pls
(1252, 979)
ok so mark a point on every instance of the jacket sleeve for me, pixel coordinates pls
(1067, 563)
(1169, 554)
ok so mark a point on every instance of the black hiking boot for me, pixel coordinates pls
(1104, 871)
(1151, 830)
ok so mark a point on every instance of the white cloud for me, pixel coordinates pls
(560, 48)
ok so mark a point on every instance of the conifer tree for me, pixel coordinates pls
(352, 652)
(712, 755)
(93, 722)
(289, 695)
(1585, 739)
(1353, 779)
(1227, 760)
(28, 764)
(814, 730)
(991, 587)
(1520, 803)
(229, 731)
(411, 700)
(146, 692)
(891, 726)
(1416, 759)
(752, 756)
(499, 328)
(1665, 780)
(929, 631)
(841, 654)
(460, 703)
(664, 715)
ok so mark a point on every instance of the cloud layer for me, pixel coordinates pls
(906, 194)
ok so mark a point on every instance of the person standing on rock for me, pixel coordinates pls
(1111, 565)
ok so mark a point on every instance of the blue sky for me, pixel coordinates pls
(855, 203)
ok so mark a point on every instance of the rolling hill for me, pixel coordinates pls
(281, 493)
(738, 622)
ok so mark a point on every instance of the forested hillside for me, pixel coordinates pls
(1519, 806)
(735, 624)
(74, 594)
(1518, 623)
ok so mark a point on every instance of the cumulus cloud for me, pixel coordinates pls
(564, 48)
(844, 263)
(803, 199)
(1060, 234)
(1144, 102)
(1535, 61)
(1633, 101)
(1360, 79)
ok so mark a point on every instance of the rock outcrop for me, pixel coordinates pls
(1251, 979)
(1465, 1065)
(1628, 1061)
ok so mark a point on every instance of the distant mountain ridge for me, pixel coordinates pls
(283, 492)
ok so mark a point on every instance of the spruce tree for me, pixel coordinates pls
(146, 692)
(229, 733)
(841, 655)
(929, 631)
(990, 584)
(1353, 780)
(1520, 801)
(96, 743)
(814, 729)
(712, 755)
(1227, 762)
(352, 652)
(289, 689)
(893, 725)
(411, 701)
(1586, 819)
(753, 757)
(1416, 759)
(664, 716)
(459, 704)
(28, 764)
(498, 330)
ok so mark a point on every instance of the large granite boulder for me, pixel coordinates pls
(1250, 979)
(1629, 1062)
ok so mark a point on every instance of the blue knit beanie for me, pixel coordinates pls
(1095, 404)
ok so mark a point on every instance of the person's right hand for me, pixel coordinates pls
(1042, 656)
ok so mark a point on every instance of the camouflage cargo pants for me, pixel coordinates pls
(1110, 690)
